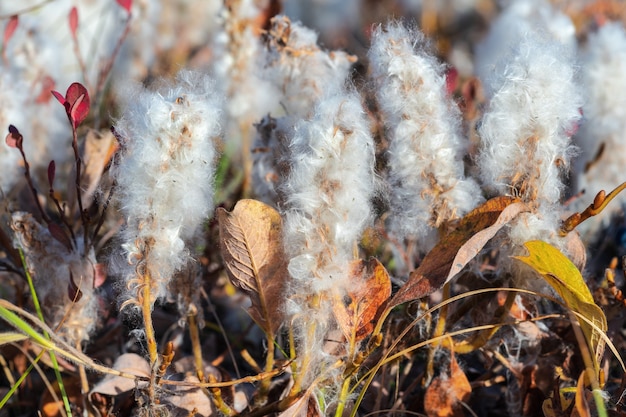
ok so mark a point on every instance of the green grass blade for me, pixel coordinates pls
(53, 358)
(11, 337)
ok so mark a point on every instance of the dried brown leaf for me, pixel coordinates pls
(114, 385)
(356, 311)
(435, 268)
(444, 394)
(189, 399)
(305, 406)
(98, 151)
(476, 243)
(251, 244)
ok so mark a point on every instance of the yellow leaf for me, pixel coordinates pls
(548, 405)
(566, 279)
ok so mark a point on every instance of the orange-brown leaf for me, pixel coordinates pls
(581, 403)
(444, 394)
(51, 407)
(251, 244)
(437, 264)
(356, 310)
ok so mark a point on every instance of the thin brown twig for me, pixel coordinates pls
(599, 203)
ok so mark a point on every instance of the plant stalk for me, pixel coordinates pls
(146, 310)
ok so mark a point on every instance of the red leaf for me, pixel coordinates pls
(76, 103)
(73, 21)
(47, 84)
(78, 99)
(74, 92)
(51, 171)
(14, 138)
(79, 110)
(59, 97)
(126, 4)
(59, 234)
(9, 30)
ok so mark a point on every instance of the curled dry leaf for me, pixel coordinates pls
(251, 245)
(438, 265)
(305, 406)
(356, 310)
(444, 394)
(113, 385)
(476, 243)
(189, 399)
(97, 153)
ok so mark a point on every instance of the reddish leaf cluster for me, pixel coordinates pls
(76, 103)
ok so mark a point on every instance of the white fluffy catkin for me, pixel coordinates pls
(300, 69)
(602, 136)
(237, 63)
(165, 177)
(426, 149)
(328, 207)
(518, 18)
(329, 188)
(58, 272)
(525, 133)
(301, 73)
